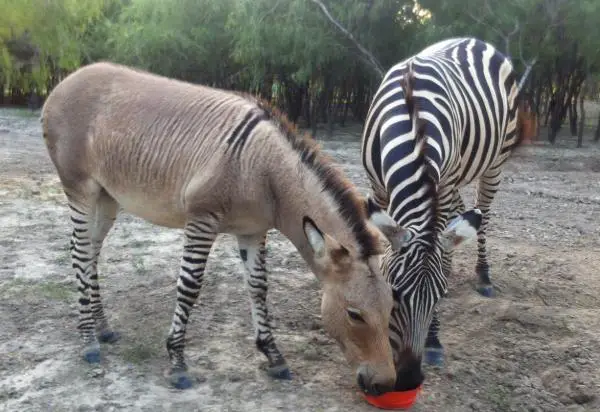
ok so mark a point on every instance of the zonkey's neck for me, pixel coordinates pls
(300, 194)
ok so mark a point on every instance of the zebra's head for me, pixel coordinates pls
(412, 265)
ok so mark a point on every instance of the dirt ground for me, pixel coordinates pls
(535, 347)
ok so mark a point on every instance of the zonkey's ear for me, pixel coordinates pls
(326, 249)
(395, 234)
(315, 237)
(462, 228)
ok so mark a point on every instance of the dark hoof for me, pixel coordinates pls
(486, 291)
(179, 379)
(109, 336)
(434, 356)
(92, 354)
(280, 372)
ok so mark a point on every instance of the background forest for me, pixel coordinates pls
(291, 52)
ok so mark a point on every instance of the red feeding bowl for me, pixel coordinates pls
(394, 400)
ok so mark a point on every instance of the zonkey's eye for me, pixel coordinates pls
(355, 315)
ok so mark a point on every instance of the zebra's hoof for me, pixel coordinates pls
(179, 379)
(91, 354)
(486, 291)
(434, 356)
(109, 336)
(280, 372)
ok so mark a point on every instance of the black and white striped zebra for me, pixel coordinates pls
(439, 120)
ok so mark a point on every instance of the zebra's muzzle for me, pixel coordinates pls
(409, 374)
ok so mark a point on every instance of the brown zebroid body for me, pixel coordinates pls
(211, 161)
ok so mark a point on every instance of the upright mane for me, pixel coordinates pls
(349, 204)
(430, 175)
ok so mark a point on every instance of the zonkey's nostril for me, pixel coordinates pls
(361, 382)
(376, 390)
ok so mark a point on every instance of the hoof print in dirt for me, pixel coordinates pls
(280, 372)
(92, 354)
(109, 336)
(179, 379)
(434, 356)
(486, 291)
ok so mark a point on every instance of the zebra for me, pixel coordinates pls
(210, 161)
(439, 120)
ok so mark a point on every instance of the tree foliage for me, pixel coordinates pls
(289, 50)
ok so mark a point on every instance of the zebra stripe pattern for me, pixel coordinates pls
(199, 236)
(439, 120)
(86, 242)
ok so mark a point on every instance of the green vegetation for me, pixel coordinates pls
(290, 52)
(34, 290)
(139, 353)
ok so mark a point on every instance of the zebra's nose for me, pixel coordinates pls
(409, 375)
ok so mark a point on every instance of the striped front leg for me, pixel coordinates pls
(434, 350)
(199, 236)
(486, 190)
(253, 253)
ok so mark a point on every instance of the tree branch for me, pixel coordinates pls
(553, 13)
(269, 12)
(483, 22)
(368, 57)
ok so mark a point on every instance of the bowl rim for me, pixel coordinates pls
(394, 399)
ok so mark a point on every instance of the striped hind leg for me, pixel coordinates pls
(199, 236)
(434, 351)
(92, 220)
(486, 190)
(106, 214)
(253, 253)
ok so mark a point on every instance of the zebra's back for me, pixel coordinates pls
(465, 90)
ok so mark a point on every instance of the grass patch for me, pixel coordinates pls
(500, 397)
(25, 113)
(140, 267)
(139, 353)
(64, 259)
(56, 291)
(63, 292)
(138, 244)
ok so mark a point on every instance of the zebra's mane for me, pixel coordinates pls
(349, 203)
(429, 176)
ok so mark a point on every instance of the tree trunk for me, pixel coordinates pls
(331, 119)
(346, 104)
(573, 116)
(581, 119)
(294, 95)
(555, 119)
(597, 133)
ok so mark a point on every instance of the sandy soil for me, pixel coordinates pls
(533, 348)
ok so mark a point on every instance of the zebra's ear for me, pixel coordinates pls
(461, 229)
(395, 234)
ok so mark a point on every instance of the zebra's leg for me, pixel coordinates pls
(486, 190)
(252, 252)
(434, 350)
(106, 214)
(199, 236)
(458, 207)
